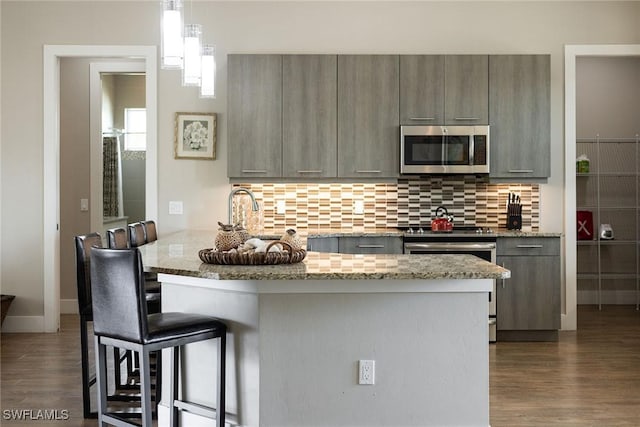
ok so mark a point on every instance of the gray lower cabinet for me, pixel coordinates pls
(254, 116)
(466, 90)
(323, 244)
(528, 304)
(368, 109)
(309, 116)
(519, 112)
(356, 245)
(371, 245)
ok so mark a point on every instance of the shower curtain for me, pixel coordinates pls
(112, 177)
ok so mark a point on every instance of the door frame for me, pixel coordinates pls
(95, 127)
(51, 155)
(571, 53)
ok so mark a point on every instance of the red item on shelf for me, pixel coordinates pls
(585, 225)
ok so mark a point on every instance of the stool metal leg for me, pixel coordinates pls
(174, 365)
(145, 387)
(84, 350)
(220, 409)
(101, 379)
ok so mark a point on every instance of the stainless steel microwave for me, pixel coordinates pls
(444, 149)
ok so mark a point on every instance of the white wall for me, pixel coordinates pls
(608, 97)
(256, 27)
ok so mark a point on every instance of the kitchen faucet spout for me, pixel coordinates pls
(254, 204)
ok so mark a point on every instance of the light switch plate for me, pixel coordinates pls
(84, 205)
(175, 208)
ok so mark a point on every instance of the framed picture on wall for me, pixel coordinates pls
(195, 136)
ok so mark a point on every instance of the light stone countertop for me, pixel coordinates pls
(177, 254)
(385, 232)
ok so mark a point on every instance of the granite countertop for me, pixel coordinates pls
(268, 234)
(177, 254)
(333, 232)
(520, 233)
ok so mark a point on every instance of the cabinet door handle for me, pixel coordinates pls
(529, 246)
(520, 170)
(503, 279)
(368, 171)
(311, 171)
(253, 171)
(422, 118)
(371, 246)
(466, 118)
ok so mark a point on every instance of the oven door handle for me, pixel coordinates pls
(448, 246)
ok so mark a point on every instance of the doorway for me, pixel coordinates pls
(52, 54)
(572, 52)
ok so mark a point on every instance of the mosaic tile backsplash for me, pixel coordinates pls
(409, 202)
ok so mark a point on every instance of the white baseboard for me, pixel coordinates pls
(23, 324)
(189, 419)
(68, 306)
(621, 297)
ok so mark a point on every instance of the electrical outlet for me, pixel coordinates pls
(358, 207)
(175, 208)
(281, 207)
(367, 372)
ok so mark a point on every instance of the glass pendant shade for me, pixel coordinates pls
(208, 78)
(192, 55)
(172, 41)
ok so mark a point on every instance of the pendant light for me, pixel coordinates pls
(172, 40)
(192, 55)
(208, 77)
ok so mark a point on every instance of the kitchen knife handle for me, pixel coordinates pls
(520, 170)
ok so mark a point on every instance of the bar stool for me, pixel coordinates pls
(136, 234)
(83, 247)
(118, 238)
(121, 320)
(150, 232)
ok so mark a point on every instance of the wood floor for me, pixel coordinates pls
(589, 378)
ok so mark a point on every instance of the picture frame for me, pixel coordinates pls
(195, 136)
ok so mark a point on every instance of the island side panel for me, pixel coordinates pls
(430, 352)
(239, 310)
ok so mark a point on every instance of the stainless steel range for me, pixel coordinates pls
(477, 241)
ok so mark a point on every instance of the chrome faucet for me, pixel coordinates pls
(254, 204)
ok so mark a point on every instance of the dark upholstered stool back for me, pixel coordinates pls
(136, 235)
(122, 311)
(83, 279)
(150, 232)
(117, 238)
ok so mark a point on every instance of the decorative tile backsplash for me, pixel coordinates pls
(471, 201)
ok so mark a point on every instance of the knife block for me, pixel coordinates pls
(514, 222)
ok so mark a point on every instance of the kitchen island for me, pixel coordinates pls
(298, 331)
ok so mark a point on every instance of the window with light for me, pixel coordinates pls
(135, 125)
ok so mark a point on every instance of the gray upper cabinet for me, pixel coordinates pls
(519, 100)
(254, 116)
(309, 116)
(421, 89)
(444, 89)
(466, 89)
(368, 114)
